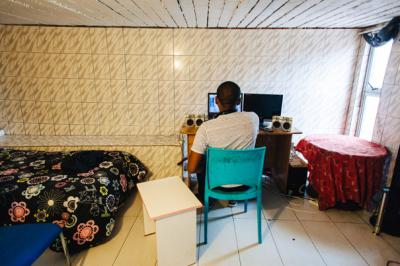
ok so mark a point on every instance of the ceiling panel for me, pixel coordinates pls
(333, 14)
(268, 11)
(214, 12)
(256, 11)
(319, 10)
(201, 10)
(227, 12)
(295, 12)
(175, 11)
(201, 13)
(188, 11)
(241, 12)
(282, 11)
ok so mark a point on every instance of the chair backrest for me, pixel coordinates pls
(226, 167)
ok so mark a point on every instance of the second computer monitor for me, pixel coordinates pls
(264, 105)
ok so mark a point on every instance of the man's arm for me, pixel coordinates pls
(196, 156)
(195, 162)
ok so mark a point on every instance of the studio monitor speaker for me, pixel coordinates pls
(287, 123)
(194, 120)
(282, 123)
(276, 122)
(190, 120)
(199, 120)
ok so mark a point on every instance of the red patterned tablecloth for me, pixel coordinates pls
(343, 168)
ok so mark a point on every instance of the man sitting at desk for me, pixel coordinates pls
(230, 130)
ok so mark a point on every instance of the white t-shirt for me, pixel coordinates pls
(236, 131)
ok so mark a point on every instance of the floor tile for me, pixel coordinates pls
(238, 211)
(276, 207)
(307, 210)
(251, 253)
(309, 215)
(294, 245)
(332, 245)
(364, 215)
(233, 237)
(342, 216)
(394, 241)
(219, 210)
(106, 253)
(138, 249)
(53, 258)
(373, 248)
(222, 247)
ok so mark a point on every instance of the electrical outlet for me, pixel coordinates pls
(2, 133)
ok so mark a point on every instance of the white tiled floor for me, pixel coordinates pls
(295, 232)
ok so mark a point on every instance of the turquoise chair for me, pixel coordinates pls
(224, 167)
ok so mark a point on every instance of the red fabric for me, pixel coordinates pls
(343, 168)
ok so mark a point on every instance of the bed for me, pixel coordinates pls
(80, 191)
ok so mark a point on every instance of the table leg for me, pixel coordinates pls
(176, 239)
(279, 155)
(149, 224)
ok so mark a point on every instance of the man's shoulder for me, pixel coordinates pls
(238, 117)
(249, 115)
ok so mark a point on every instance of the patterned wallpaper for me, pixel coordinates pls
(387, 124)
(127, 81)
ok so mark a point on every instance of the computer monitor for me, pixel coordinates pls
(213, 109)
(264, 105)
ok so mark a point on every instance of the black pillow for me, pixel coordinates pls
(82, 161)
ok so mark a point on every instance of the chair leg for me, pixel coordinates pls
(245, 206)
(259, 219)
(206, 206)
(65, 248)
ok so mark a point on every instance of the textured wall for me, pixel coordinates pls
(125, 81)
(387, 124)
(357, 91)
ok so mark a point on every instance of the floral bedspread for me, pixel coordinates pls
(34, 189)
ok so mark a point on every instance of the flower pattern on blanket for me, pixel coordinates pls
(18, 211)
(85, 232)
(34, 189)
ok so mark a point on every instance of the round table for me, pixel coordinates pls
(343, 168)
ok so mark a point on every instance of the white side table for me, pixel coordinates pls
(169, 210)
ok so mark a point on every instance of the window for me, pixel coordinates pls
(379, 57)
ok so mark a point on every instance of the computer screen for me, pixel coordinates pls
(213, 109)
(264, 105)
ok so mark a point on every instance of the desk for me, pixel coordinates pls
(169, 210)
(278, 145)
(343, 168)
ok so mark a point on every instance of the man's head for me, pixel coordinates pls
(228, 96)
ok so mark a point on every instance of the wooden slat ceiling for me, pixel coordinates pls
(201, 13)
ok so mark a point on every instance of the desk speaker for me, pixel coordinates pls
(199, 120)
(276, 122)
(282, 123)
(194, 120)
(190, 120)
(287, 123)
